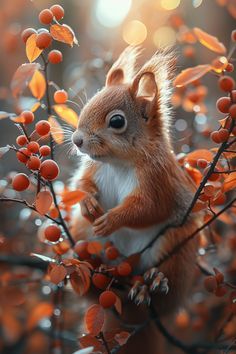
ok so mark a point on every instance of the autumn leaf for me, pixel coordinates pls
(122, 337)
(57, 274)
(67, 114)
(56, 130)
(4, 150)
(37, 85)
(194, 174)
(43, 202)
(77, 283)
(70, 198)
(89, 340)
(94, 319)
(63, 33)
(94, 247)
(230, 182)
(40, 311)
(199, 205)
(118, 305)
(191, 74)
(22, 77)
(32, 51)
(193, 156)
(209, 41)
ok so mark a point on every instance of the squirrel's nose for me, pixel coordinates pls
(77, 140)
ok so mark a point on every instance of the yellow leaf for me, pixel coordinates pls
(63, 33)
(32, 51)
(67, 114)
(191, 74)
(37, 85)
(209, 41)
(56, 130)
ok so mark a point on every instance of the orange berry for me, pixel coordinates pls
(60, 96)
(232, 111)
(28, 117)
(52, 233)
(220, 291)
(202, 163)
(27, 33)
(107, 299)
(23, 155)
(215, 137)
(229, 68)
(43, 40)
(233, 35)
(233, 96)
(101, 281)
(226, 83)
(112, 252)
(81, 249)
(55, 56)
(21, 140)
(20, 182)
(45, 150)
(124, 269)
(223, 135)
(57, 11)
(42, 127)
(107, 244)
(33, 163)
(223, 104)
(33, 146)
(219, 277)
(49, 170)
(46, 17)
(210, 283)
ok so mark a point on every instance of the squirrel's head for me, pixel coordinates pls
(130, 112)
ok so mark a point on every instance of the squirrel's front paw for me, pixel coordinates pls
(90, 208)
(104, 225)
(155, 281)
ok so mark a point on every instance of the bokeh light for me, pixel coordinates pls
(111, 13)
(134, 32)
(170, 4)
(164, 36)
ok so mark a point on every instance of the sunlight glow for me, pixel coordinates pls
(111, 13)
(164, 36)
(170, 4)
(134, 32)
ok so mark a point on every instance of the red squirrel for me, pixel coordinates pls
(133, 181)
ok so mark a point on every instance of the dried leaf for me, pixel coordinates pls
(32, 51)
(209, 41)
(63, 33)
(57, 274)
(42, 310)
(43, 202)
(37, 85)
(4, 150)
(72, 197)
(89, 340)
(94, 247)
(230, 182)
(122, 337)
(67, 114)
(22, 77)
(191, 74)
(94, 319)
(56, 130)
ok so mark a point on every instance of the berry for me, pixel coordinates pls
(33, 163)
(21, 140)
(107, 299)
(46, 17)
(124, 269)
(33, 146)
(43, 30)
(52, 233)
(232, 111)
(223, 135)
(49, 170)
(233, 96)
(229, 68)
(60, 96)
(28, 117)
(202, 163)
(43, 40)
(45, 150)
(223, 104)
(112, 252)
(20, 182)
(220, 291)
(215, 137)
(55, 57)
(81, 249)
(23, 155)
(57, 11)
(233, 35)
(27, 33)
(226, 83)
(210, 283)
(101, 281)
(42, 127)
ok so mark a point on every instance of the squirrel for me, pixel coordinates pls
(133, 182)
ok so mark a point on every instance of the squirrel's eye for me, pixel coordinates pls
(117, 121)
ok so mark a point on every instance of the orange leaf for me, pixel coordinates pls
(56, 130)
(67, 114)
(199, 206)
(42, 310)
(72, 197)
(122, 337)
(57, 274)
(22, 77)
(194, 174)
(209, 41)
(193, 156)
(37, 85)
(77, 283)
(94, 319)
(230, 182)
(43, 202)
(94, 247)
(63, 33)
(191, 74)
(32, 51)
(88, 340)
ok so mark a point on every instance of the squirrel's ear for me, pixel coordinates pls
(123, 70)
(144, 89)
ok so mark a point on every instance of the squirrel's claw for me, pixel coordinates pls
(90, 208)
(102, 226)
(140, 294)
